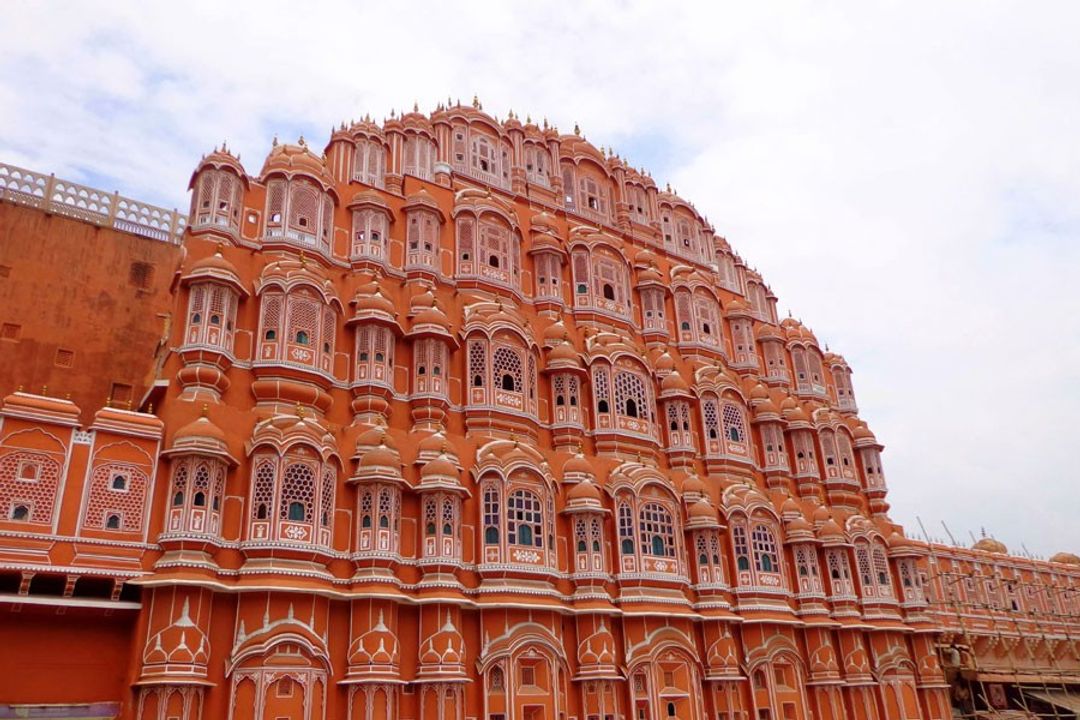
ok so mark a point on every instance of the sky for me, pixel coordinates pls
(905, 175)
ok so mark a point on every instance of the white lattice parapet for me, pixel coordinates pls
(26, 187)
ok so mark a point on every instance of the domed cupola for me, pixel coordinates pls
(300, 199)
(578, 469)
(217, 200)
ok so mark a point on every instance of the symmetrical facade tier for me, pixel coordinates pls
(463, 418)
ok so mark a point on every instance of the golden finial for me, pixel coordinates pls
(577, 130)
(127, 406)
(20, 389)
(303, 259)
(299, 410)
(67, 396)
(150, 408)
(205, 410)
(302, 142)
(667, 189)
(45, 390)
(476, 102)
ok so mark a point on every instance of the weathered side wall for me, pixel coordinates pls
(82, 308)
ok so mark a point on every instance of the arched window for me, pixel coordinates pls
(297, 492)
(657, 531)
(112, 522)
(764, 544)
(626, 529)
(492, 514)
(525, 519)
(20, 513)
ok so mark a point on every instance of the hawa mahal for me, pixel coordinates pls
(459, 419)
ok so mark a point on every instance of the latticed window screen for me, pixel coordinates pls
(764, 544)
(492, 513)
(29, 480)
(734, 424)
(262, 497)
(881, 570)
(602, 389)
(524, 519)
(683, 312)
(506, 363)
(297, 493)
(798, 358)
(742, 548)
(862, 560)
(326, 498)
(466, 232)
(710, 418)
(495, 246)
(117, 493)
(626, 528)
(631, 398)
(839, 572)
(477, 363)
(303, 207)
(275, 203)
(657, 531)
(828, 446)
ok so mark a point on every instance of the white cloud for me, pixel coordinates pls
(906, 175)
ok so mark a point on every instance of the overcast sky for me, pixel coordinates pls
(905, 175)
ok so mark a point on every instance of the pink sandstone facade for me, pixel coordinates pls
(467, 419)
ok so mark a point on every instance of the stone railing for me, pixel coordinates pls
(53, 195)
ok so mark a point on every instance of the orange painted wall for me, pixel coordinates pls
(70, 656)
(99, 292)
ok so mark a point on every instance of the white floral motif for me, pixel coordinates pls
(295, 532)
(526, 555)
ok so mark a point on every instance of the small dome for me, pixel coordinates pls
(665, 363)
(200, 429)
(585, 490)
(578, 465)
(290, 159)
(368, 198)
(768, 332)
(830, 531)
(441, 466)
(564, 352)
(674, 381)
(693, 484)
(382, 456)
(215, 262)
(421, 198)
(702, 509)
(989, 544)
(737, 307)
(759, 392)
(434, 443)
(555, 332)
(544, 221)
(1066, 558)
(375, 301)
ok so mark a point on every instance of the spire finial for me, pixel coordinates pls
(205, 410)
(415, 106)
(299, 410)
(577, 129)
(475, 101)
(302, 142)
